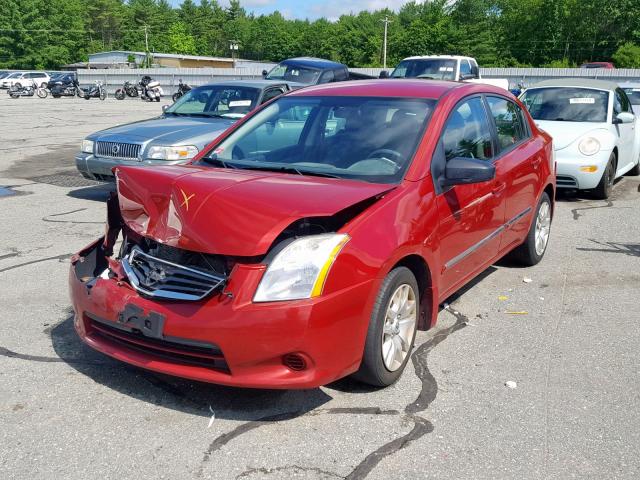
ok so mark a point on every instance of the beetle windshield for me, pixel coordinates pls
(634, 95)
(362, 138)
(435, 69)
(293, 73)
(567, 104)
(216, 101)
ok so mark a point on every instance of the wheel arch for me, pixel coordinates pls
(420, 269)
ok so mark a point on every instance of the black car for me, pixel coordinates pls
(304, 71)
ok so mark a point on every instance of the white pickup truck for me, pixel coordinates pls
(443, 67)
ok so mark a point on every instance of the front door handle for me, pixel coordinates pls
(499, 188)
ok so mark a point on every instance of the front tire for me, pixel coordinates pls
(636, 169)
(119, 94)
(42, 93)
(535, 245)
(392, 329)
(604, 188)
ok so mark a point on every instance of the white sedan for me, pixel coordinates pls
(596, 136)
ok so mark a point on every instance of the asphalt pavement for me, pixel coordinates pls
(564, 334)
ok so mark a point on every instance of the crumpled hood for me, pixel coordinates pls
(565, 133)
(167, 130)
(228, 212)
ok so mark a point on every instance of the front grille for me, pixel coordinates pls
(126, 151)
(566, 181)
(160, 278)
(175, 350)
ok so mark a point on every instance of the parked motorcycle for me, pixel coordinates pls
(151, 90)
(96, 90)
(17, 90)
(127, 90)
(182, 89)
(65, 89)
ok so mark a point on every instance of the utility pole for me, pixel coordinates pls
(146, 38)
(386, 22)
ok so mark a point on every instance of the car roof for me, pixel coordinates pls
(577, 82)
(442, 57)
(385, 88)
(629, 85)
(313, 62)
(248, 83)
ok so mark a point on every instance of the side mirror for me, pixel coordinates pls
(164, 108)
(384, 74)
(463, 171)
(623, 117)
(264, 73)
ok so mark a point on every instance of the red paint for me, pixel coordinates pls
(241, 213)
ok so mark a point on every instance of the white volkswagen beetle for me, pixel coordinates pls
(595, 134)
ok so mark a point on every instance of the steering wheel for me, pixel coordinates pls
(388, 155)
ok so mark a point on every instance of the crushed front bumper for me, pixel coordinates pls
(225, 338)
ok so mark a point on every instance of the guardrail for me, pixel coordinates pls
(169, 77)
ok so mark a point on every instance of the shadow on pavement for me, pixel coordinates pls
(183, 395)
(97, 193)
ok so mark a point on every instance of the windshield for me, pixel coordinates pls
(216, 101)
(293, 73)
(435, 69)
(567, 104)
(634, 95)
(362, 138)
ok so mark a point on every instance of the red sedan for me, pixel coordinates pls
(311, 240)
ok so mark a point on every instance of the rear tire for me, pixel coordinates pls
(42, 93)
(120, 94)
(535, 245)
(392, 329)
(636, 169)
(604, 188)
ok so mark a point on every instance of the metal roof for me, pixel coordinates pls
(577, 82)
(249, 83)
(169, 55)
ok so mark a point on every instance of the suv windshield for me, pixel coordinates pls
(216, 101)
(435, 69)
(567, 104)
(362, 138)
(293, 73)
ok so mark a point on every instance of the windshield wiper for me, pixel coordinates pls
(290, 169)
(213, 160)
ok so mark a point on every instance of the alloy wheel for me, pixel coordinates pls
(399, 327)
(543, 227)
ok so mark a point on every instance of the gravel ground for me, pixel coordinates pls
(68, 412)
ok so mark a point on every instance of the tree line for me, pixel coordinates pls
(501, 33)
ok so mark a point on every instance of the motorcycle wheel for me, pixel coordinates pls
(54, 95)
(87, 97)
(18, 85)
(103, 94)
(119, 94)
(13, 95)
(42, 93)
(158, 98)
(133, 93)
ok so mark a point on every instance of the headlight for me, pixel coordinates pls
(182, 152)
(589, 146)
(87, 146)
(300, 270)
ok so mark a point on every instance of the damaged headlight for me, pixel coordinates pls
(182, 152)
(300, 269)
(87, 146)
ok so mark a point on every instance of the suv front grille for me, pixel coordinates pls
(160, 278)
(126, 151)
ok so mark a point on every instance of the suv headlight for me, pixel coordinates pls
(300, 269)
(87, 146)
(589, 146)
(181, 152)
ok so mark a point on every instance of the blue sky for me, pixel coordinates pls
(313, 9)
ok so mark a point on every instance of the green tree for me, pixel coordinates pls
(180, 40)
(627, 56)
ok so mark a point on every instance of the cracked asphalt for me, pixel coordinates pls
(569, 339)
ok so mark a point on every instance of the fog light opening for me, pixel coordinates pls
(294, 361)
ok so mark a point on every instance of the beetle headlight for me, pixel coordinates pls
(181, 152)
(589, 146)
(300, 269)
(87, 146)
